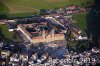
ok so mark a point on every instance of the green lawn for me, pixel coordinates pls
(12, 36)
(27, 6)
(5, 32)
(81, 20)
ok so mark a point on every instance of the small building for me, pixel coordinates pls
(14, 58)
(71, 7)
(5, 53)
(1, 44)
(2, 21)
(95, 50)
(24, 57)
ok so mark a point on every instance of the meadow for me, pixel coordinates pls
(81, 20)
(5, 32)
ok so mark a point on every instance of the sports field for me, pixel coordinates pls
(25, 6)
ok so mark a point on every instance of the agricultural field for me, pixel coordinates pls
(29, 6)
(3, 8)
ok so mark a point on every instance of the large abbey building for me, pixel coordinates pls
(42, 31)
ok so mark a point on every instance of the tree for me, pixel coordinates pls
(43, 12)
(1, 35)
(14, 36)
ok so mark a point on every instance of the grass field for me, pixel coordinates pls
(3, 8)
(25, 6)
(5, 32)
(81, 20)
